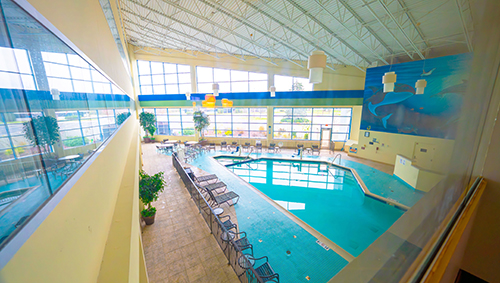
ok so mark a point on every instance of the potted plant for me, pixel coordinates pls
(120, 118)
(149, 188)
(201, 122)
(42, 132)
(148, 121)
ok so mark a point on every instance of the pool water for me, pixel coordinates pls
(326, 197)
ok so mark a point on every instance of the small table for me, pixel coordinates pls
(308, 150)
(192, 142)
(226, 236)
(169, 142)
(245, 262)
(218, 211)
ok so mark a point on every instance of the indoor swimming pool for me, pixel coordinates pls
(326, 197)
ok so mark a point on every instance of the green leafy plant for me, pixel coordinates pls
(75, 141)
(120, 118)
(148, 121)
(201, 122)
(150, 186)
(42, 132)
(297, 86)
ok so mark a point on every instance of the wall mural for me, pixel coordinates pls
(432, 114)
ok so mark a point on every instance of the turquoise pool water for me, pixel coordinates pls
(327, 198)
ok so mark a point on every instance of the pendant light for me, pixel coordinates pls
(215, 89)
(188, 95)
(316, 64)
(389, 79)
(420, 85)
(55, 94)
(273, 91)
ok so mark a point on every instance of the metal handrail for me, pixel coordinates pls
(340, 158)
(229, 248)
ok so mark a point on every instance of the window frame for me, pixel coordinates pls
(164, 73)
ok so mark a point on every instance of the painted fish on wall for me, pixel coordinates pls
(380, 98)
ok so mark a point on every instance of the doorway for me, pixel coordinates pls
(325, 138)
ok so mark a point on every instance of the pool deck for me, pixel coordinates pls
(270, 229)
(273, 232)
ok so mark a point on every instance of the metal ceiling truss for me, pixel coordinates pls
(464, 11)
(355, 33)
(190, 31)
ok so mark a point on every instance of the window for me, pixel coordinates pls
(13, 144)
(230, 80)
(237, 122)
(82, 127)
(163, 78)
(70, 73)
(306, 123)
(173, 121)
(15, 69)
(287, 83)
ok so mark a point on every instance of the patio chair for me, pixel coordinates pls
(272, 146)
(265, 271)
(223, 198)
(242, 242)
(258, 146)
(214, 187)
(211, 146)
(246, 146)
(233, 145)
(204, 178)
(315, 148)
(223, 145)
(228, 224)
(164, 140)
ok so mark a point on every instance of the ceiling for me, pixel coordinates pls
(358, 33)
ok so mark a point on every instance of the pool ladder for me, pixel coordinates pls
(340, 158)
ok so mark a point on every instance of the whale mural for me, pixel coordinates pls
(403, 111)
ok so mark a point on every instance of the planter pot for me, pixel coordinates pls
(204, 143)
(147, 140)
(149, 220)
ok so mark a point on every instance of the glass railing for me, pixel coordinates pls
(56, 109)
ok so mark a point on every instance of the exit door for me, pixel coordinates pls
(325, 138)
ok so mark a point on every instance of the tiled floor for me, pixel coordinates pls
(179, 247)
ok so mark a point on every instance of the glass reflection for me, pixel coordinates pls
(55, 110)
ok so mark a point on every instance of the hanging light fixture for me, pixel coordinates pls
(419, 86)
(215, 89)
(389, 79)
(55, 94)
(316, 64)
(227, 103)
(188, 95)
(273, 91)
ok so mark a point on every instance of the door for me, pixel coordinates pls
(423, 155)
(325, 138)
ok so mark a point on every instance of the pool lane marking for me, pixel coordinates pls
(333, 246)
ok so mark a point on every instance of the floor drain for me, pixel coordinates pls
(288, 253)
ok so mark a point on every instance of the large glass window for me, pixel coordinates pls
(70, 73)
(163, 78)
(306, 123)
(230, 80)
(173, 121)
(15, 70)
(287, 83)
(45, 138)
(237, 122)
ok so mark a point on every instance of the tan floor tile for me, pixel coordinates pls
(197, 272)
(178, 278)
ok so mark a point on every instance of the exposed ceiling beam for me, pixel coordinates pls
(464, 26)
(401, 29)
(352, 33)
(367, 6)
(201, 31)
(213, 23)
(413, 22)
(364, 25)
(247, 23)
(327, 29)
